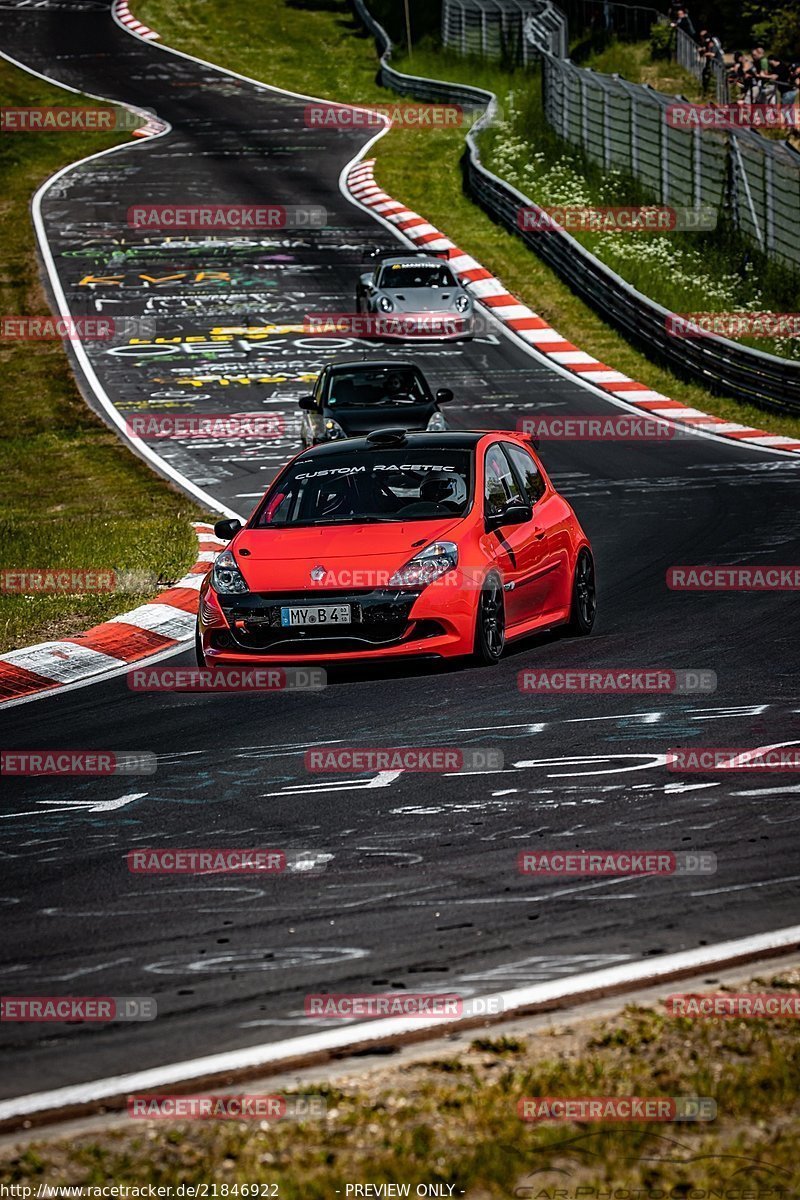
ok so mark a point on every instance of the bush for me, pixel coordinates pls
(780, 33)
(661, 41)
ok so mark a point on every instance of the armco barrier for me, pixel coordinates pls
(716, 362)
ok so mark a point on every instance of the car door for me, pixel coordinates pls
(509, 545)
(542, 588)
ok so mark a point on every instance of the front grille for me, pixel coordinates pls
(379, 618)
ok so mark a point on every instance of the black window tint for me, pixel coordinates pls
(501, 486)
(366, 486)
(528, 472)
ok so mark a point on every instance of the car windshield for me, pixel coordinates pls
(370, 486)
(365, 389)
(416, 275)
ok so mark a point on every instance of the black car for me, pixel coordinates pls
(354, 398)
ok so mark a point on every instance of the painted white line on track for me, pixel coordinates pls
(557, 993)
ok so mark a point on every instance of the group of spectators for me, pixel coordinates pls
(755, 78)
(762, 78)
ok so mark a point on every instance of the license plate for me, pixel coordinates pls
(322, 614)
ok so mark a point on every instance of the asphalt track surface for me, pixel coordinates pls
(420, 889)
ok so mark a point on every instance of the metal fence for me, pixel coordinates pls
(512, 31)
(638, 130)
(715, 362)
(606, 19)
(711, 72)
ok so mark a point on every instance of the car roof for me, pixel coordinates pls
(371, 364)
(411, 260)
(451, 439)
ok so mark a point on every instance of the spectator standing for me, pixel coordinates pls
(711, 56)
(761, 69)
(736, 73)
(790, 97)
(684, 22)
(780, 72)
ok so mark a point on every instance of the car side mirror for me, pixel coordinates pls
(512, 514)
(308, 403)
(228, 528)
(443, 395)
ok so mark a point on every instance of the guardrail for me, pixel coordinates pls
(716, 362)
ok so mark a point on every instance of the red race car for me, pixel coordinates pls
(432, 545)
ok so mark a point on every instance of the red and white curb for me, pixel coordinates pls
(152, 126)
(124, 15)
(534, 330)
(151, 628)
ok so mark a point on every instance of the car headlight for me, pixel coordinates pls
(437, 422)
(462, 302)
(385, 304)
(333, 430)
(431, 563)
(226, 578)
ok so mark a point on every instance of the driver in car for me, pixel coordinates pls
(441, 492)
(396, 388)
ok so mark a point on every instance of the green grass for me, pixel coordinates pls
(633, 60)
(685, 272)
(453, 1120)
(317, 46)
(72, 495)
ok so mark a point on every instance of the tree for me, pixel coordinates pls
(741, 24)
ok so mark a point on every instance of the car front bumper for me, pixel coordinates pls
(437, 621)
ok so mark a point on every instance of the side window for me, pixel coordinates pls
(500, 485)
(528, 472)
(319, 387)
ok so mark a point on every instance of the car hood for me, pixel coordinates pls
(381, 416)
(423, 299)
(284, 558)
